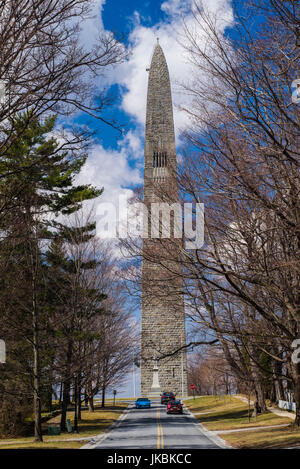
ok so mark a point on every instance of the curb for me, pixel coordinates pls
(209, 434)
(95, 440)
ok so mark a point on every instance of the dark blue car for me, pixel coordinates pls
(142, 403)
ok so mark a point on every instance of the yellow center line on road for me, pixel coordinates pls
(160, 433)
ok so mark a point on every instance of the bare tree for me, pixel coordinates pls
(45, 68)
(246, 171)
(242, 161)
(44, 65)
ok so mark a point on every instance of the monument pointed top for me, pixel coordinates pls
(159, 119)
(157, 45)
(158, 55)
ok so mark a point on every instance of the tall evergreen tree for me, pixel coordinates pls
(37, 188)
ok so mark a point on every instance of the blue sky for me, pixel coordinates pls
(117, 15)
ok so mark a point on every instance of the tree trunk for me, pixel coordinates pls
(226, 384)
(278, 390)
(76, 405)
(259, 397)
(259, 400)
(36, 394)
(296, 376)
(36, 366)
(277, 381)
(272, 394)
(103, 396)
(91, 404)
(64, 407)
(248, 405)
(78, 397)
(60, 394)
(50, 391)
(79, 408)
(66, 389)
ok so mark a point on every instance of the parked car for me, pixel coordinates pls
(165, 397)
(174, 407)
(142, 403)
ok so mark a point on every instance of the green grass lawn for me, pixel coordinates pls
(45, 445)
(229, 413)
(92, 423)
(264, 439)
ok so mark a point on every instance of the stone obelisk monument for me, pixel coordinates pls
(163, 319)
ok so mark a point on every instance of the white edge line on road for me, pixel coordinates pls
(210, 435)
(96, 439)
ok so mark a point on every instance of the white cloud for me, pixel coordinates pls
(176, 7)
(133, 76)
(91, 26)
(132, 141)
(110, 169)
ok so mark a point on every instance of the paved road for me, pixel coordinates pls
(153, 428)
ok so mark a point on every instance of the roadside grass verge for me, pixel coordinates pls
(92, 423)
(118, 399)
(264, 439)
(45, 445)
(229, 414)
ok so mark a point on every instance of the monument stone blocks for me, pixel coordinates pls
(163, 318)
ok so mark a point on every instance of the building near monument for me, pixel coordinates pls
(163, 319)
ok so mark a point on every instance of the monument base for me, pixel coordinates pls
(155, 390)
(154, 393)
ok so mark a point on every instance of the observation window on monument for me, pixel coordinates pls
(159, 159)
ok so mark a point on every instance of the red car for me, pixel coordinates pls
(174, 407)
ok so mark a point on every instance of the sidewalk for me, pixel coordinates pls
(250, 429)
